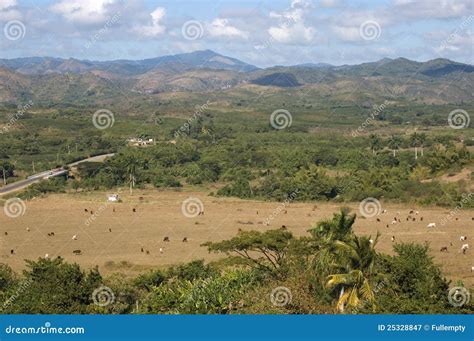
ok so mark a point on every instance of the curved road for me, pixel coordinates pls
(48, 174)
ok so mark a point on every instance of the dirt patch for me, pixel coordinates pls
(112, 236)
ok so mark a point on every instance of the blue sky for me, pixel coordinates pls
(264, 33)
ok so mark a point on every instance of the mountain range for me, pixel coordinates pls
(56, 79)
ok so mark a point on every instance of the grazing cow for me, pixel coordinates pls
(416, 212)
(134, 210)
(113, 209)
(411, 212)
(443, 249)
(285, 211)
(414, 219)
(86, 210)
(147, 252)
(384, 211)
(283, 227)
(28, 229)
(421, 218)
(472, 218)
(371, 241)
(378, 220)
(161, 250)
(431, 225)
(6, 233)
(92, 212)
(472, 268)
(408, 218)
(394, 222)
(463, 238)
(166, 239)
(392, 239)
(387, 226)
(185, 239)
(142, 250)
(46, 256)
(257, 212)
(464, 248)
(74, 237)
(110, 230)
(12, 252)
(77, 252)
(239, 230)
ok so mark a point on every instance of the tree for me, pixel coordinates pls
(355, 262)
(394, 143)
(415, 142)
(267, 250)
(375, 144)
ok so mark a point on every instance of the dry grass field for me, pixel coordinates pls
(113, 236)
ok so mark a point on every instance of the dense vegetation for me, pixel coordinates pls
(329, 270)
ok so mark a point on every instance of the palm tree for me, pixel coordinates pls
(355, 260)
(394, 143)
(131, 164)
(415, 142)
(422, 140)
(374, 143)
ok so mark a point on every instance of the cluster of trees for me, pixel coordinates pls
(330, 270)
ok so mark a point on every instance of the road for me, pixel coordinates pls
(48, 174)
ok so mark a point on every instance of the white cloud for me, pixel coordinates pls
(291, 27)
(5, 4)
(431, 9)
(7, 12)
(155, 28)
(329, 3)
(221, 28)
(82, 11)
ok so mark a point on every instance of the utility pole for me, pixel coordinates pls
(4, 177)
(33, 163)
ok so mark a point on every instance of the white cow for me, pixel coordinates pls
(431, 225)
(394, 222)
(463, 238)
(74, 237)
(464, 248)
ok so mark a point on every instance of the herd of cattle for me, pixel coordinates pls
(412, 216)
